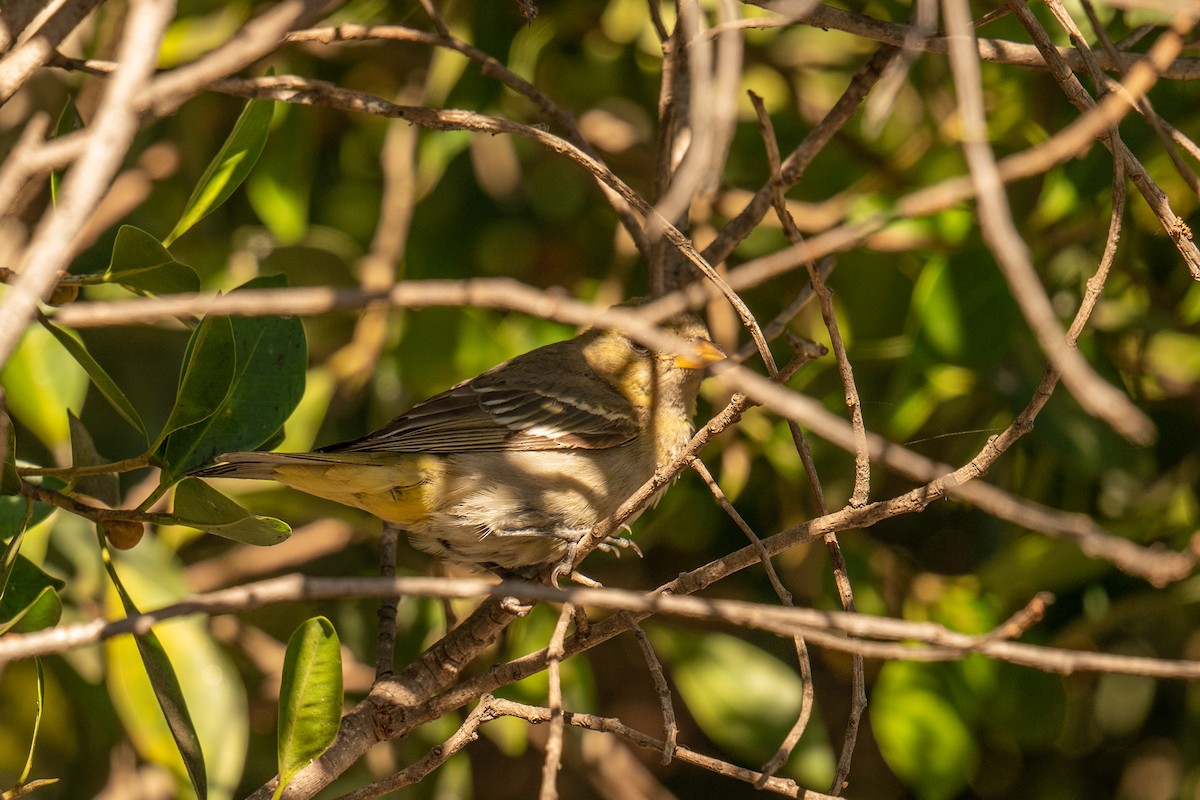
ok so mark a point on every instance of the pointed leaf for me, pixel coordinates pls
(100, 378)
(269, 363)
(10, 481)
(167, 691)
(154, 576)
(69, 121)
(230, 166)
(199, 505)
(39, 699)
(12, 550)
(104, 487)
(140, 262)
(207, 373)
(310, 697)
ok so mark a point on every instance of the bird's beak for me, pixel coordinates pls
(703, 353)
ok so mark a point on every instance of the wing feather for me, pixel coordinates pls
(514, 406)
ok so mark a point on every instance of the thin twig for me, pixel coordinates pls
(1157, 123)
(1167, 46)
(780, 786)
(385, 647)
(785, 748)
(436, 757)
(998, 51)
(862, 470)
(661, 688)
(554, 741)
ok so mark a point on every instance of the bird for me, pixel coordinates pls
(509, 470)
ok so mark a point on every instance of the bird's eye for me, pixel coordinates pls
(639, 348)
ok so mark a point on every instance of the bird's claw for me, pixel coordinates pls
(615, 544)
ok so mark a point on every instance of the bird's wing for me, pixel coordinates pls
(517, 406)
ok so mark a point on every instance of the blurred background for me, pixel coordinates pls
(942, 358)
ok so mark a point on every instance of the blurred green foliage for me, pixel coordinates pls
(942, 360)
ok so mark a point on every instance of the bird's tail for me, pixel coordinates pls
(394, 487)
(257, 466)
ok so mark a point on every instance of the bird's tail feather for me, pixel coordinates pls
(264, 466)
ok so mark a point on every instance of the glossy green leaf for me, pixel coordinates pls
(153, 575)
(69, 121)
(43, 612)
(29, 599)
(199, 505)
(229, 168)
(208, 369)
(41, 381)
(921, 734)
(100, 378)
(167, 691)
(141, 263)
(310, 697)
(268, 360)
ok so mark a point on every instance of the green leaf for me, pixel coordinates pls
(41, 381)
(39, 699)
(100, 378)
(139, 262)
(29, 599)
(200, 506)
(268, 364)
(208, 369)
(921, 734)
(43, 612)
(310, 697)
(216, 697)
(15, 514)
(12, 550)
(166, 690)
(10, 481)
(69, 121)
(230, 166)
(105, 486)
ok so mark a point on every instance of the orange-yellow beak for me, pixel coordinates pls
(703, 353)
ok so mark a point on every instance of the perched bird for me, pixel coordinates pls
(511, 468)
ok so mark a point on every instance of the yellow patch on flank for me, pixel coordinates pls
(400, 491)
